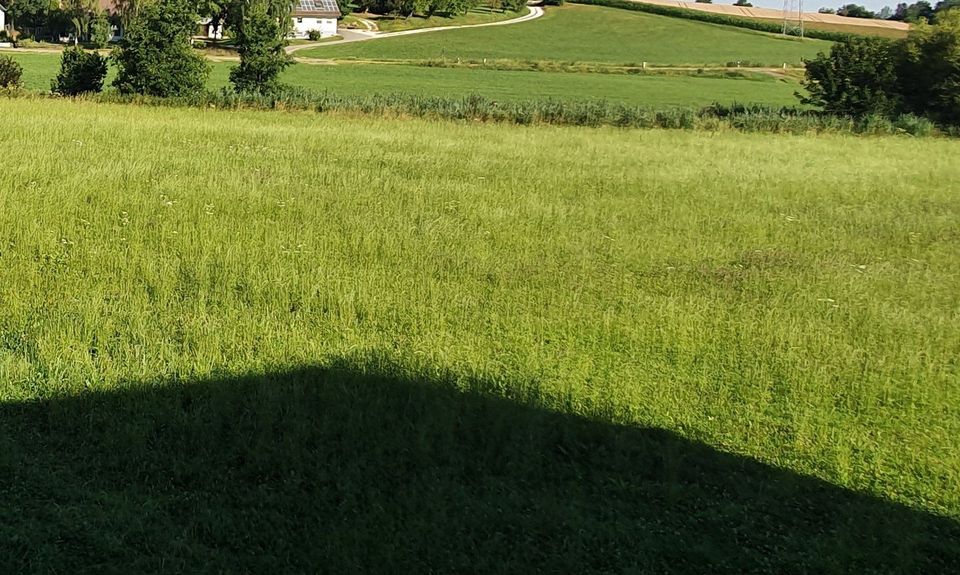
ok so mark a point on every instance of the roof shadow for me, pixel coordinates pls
(334, 470)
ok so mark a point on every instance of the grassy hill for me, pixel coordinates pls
(290, 342)
(590, 34)
(350, 79)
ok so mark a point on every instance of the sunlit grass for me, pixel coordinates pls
(749, 291)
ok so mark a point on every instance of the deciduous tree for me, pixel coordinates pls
(155, 56)
(260, 41)
(858, 77)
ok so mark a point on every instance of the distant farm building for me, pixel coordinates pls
(319, 15)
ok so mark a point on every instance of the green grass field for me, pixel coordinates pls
(358, 79)
(590, 34)
(288, 342)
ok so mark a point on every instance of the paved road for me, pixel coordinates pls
(364, 35)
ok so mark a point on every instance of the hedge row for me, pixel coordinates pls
(563, 113)
(749, 23)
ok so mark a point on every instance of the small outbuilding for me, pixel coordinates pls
(3, 17)
(310, 15)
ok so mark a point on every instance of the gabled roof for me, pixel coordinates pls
(316, 8)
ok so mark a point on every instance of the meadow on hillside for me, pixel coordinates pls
(271, 341)
(576, 33)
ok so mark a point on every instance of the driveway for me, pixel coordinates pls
(364, 35)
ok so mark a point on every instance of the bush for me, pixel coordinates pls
(857, 78)
(914, 125)
(80, 72)
(10, 73)
(314, 35)
(155, 57)
(929, 69)
(870, 76)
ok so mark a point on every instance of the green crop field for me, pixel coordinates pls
(590, 34)
(289, 342)
(359, 79)
(652, 90)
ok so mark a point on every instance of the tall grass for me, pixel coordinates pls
(789, 299)
(590, 113)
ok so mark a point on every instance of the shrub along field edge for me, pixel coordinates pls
(746, 118)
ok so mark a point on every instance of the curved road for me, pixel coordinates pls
(364, 35)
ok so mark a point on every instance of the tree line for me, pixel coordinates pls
(156, 57)
(904, 12)
(868, 76)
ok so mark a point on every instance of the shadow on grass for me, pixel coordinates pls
(332, 470)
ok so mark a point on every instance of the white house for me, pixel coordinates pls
(3, 17)
(305, 17)
(320, 15)
(211, 29)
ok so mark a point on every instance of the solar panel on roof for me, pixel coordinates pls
(318, 5)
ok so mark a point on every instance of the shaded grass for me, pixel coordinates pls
(590, 34)
(363, 465)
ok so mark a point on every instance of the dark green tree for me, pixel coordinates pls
(100, 31)
(80, 72)
(31, 16)
(855, 11)
(260, 42)
(346, 6)
(155, 56)
(10, 73)
(858, 77)
(929, 69)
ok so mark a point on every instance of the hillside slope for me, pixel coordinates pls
(576, 33)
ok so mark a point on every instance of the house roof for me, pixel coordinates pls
(316, 8)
